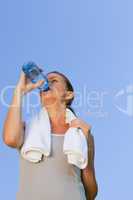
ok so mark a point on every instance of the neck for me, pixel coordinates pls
(57, 113)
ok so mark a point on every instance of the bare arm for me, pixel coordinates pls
(13, 129)
(88, 174)
(13, 126)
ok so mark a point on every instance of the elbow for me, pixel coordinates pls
(92, 194)
(9, 141)
(90, 184)
(95, 191)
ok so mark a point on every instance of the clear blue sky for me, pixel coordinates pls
(92, 43)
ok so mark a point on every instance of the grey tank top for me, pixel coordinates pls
(51, 179)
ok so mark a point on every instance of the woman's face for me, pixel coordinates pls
(57, 93)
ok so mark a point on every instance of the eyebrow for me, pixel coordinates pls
(52, 77)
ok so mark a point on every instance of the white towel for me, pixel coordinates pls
(37, 142)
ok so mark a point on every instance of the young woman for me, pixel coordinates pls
(54, 178)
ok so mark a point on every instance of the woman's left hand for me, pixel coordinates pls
(78, 123)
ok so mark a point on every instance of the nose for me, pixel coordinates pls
(50, 83)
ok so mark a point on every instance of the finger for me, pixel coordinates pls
(75, 122)
(75, 125)
(31, 86)
(38, 83)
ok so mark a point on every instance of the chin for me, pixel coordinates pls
(49, 101)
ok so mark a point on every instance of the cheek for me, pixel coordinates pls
(59, 90)
(56, 93)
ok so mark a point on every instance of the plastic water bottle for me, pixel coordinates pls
(34, 73)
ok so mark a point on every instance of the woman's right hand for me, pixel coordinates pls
(24, 85)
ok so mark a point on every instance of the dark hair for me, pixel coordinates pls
(69, 88)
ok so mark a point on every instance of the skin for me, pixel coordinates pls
(55, 102)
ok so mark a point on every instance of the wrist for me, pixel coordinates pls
(19, 91)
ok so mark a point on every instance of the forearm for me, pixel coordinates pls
(88, 173)
(90, 184)
(13, 122)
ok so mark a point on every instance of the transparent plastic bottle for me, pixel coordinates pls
(34, 73)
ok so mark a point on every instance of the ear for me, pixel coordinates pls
(69, 95)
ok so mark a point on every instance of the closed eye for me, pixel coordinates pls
(54, 80)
